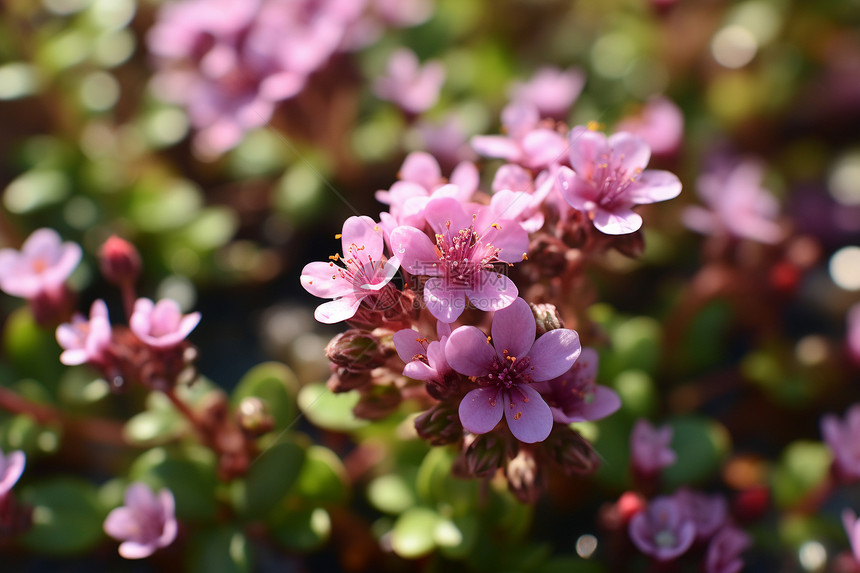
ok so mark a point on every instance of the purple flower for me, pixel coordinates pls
(460, 261)
(662, 530)
(574, 396)
(504, 366)
(649, 448)
(527, 142)
(551, 90)
(11, 468)
(707, 512)
(145, 523)
(660, 123)
(41, 266)
(609, 177)
(85, 340)
(844, 441)
(737, 204)
(852, 528)
(365, 272)
(446, 138)
(852, 338)
(413, 87)
(424, 360)
(724, 551)
(162, 324)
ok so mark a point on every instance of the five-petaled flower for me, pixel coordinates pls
(460, 261)
(161, 324)
(662, 530)
(649, 448)
(504, 366)
(365, 271)
(41, 266)
(575, 397)
(609, 177)
(85, 340)
(145, 523)
(844, 441)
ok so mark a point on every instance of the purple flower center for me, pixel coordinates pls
(507, 372)
(611, 181)
(463, 255)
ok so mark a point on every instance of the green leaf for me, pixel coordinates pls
(456, 536)
(31, 349)
(67, 517)
(328, 410)
(221, 550)
(301, 530)
(276, 385)
(36, 190)
(414, 533)
(435, 483)
(390, 494)
(803, 467)
(268, 480)
(700, 444)
(323, 478)
(154, 427)
(187, 472)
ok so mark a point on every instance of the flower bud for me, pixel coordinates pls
(440, 425)
(377, 401)
(483, 455)
(547, 317)
(571, 451)
(119, 261)
(253, 416)
(343, 380)
(358, 350)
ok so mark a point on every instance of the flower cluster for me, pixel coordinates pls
(229, 62)
(473, 338)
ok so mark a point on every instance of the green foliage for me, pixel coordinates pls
(276, 385)
(188, 471)
(67, 516)
(268, 480)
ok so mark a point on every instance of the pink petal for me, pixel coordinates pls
(481, 409)
(323, 280)
(362, 232)
(510, 238)
(554, 353)
(281, 86)
(444, 302)
(337, 310)
(528, 416)
(497, 146)
(493, 291)
(468, 351)
(543, 147)
(406, 344)
(466, 177)
(605, 401)
(618, 222)
(512, 177)
(439, 212)
(74, 356)
(587, 148)
(135, 550)
(121, 523)
(630, 151)
(421, 168)
(514, 329)
(418, 370)
(654, 185)
(416, 252)
(11, 469)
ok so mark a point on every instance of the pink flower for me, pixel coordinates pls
(365, 272)
(425, 360)
(843, 438)
(85, 340)
(737, 204)
(145, 523)
(11, 468)
(446, 138)
(527, 142)
(41, 266)
(551, 90)
(649, 448)
(660, 123)
(609, 177)
(575, 397)
(724, 551)
(460, 260)
(852, 528)
(161, 325)
(662, 530)
(504, 366)
(413, 87)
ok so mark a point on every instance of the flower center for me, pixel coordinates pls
(509, 371)
(39, 265)
(463, 254)
(665, 538)
(611, 180)
(360, 269)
